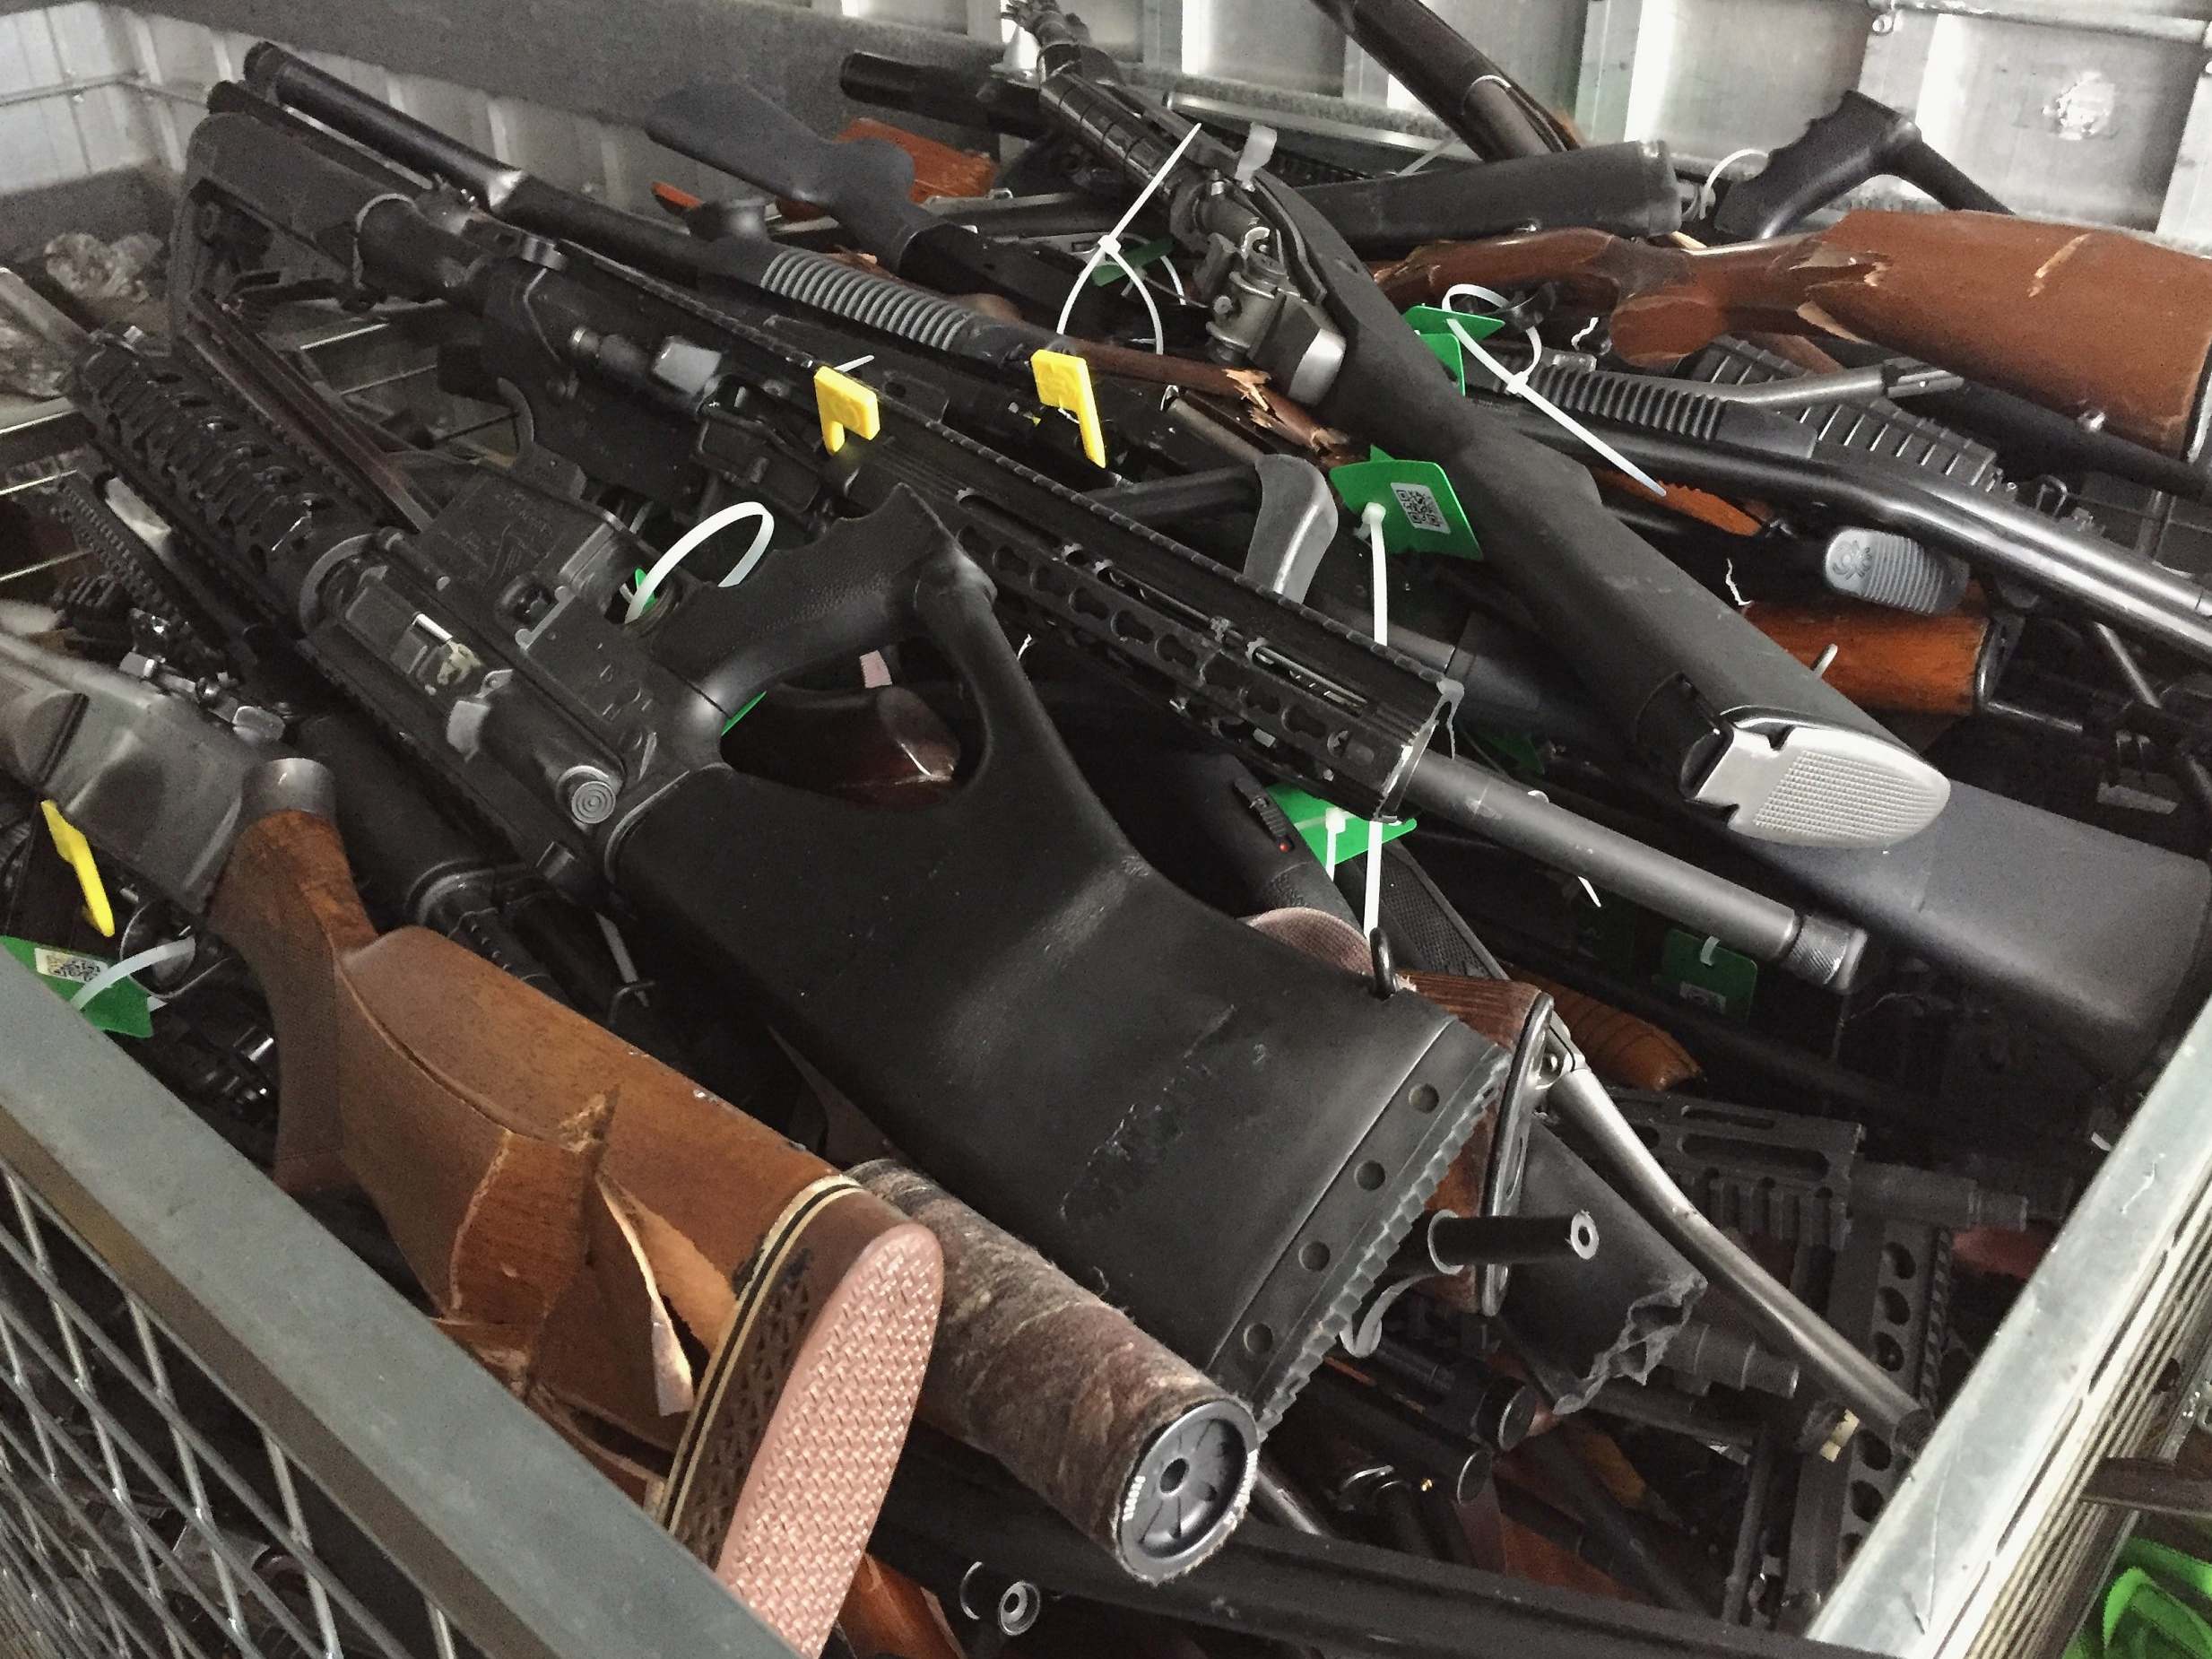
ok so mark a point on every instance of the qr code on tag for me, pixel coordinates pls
(1418, 502)
(66, 965)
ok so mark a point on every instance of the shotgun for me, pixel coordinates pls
(2013, 303)
(1730, 723)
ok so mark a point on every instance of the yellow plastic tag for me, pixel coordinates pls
(1063, 382)
(77, 852)
(846, 405)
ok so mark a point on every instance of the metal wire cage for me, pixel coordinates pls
(221, 1435)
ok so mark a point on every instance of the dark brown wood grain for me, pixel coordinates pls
(883, 746)
(1620, 1048)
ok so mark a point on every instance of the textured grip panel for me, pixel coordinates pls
(1830, 799)
(1886, 568)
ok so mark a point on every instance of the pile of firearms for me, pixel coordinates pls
(800, 823)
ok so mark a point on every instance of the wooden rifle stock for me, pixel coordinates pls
(2085, 321)
(1889, 661)
(567, 1202)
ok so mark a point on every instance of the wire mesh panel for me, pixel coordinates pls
(221, 1435)
(131, 1523)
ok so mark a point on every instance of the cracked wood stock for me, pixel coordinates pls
(567, 1202)
(2014, 303)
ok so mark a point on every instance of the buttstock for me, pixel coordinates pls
(2030, 308)
(478, 1114)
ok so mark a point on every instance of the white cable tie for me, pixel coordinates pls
(1372, 516)
(1728, 580)
(153, 956)
(708, 528)
(1708, 197)
(1144, 292)
(1258, 152)
(1705, 951)
(1428, 155)
(858, 362)
(1592, 891)
(1109, 245)
(1518, 386)
(617, 947)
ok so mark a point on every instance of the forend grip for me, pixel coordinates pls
(1682, 676)
(851, 590)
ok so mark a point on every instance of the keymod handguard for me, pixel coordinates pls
(1065, 1040)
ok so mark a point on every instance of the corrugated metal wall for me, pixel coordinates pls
(2098, 110)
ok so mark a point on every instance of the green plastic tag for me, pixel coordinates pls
(1518, 749)
(1436, 333)
(1707, 973)
(1309, 815)
(121, 1008)
(1434, 319)
(1420, 512)
(1139, 257)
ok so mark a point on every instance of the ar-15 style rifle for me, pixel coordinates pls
(470, 609)
(635, 431)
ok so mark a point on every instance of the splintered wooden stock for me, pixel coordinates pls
(1888, 661)
(507, 1141)
(2079, 320)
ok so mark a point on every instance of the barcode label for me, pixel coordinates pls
(1418, 502)
(66, 964)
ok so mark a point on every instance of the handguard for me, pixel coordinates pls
(1070, 1042)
